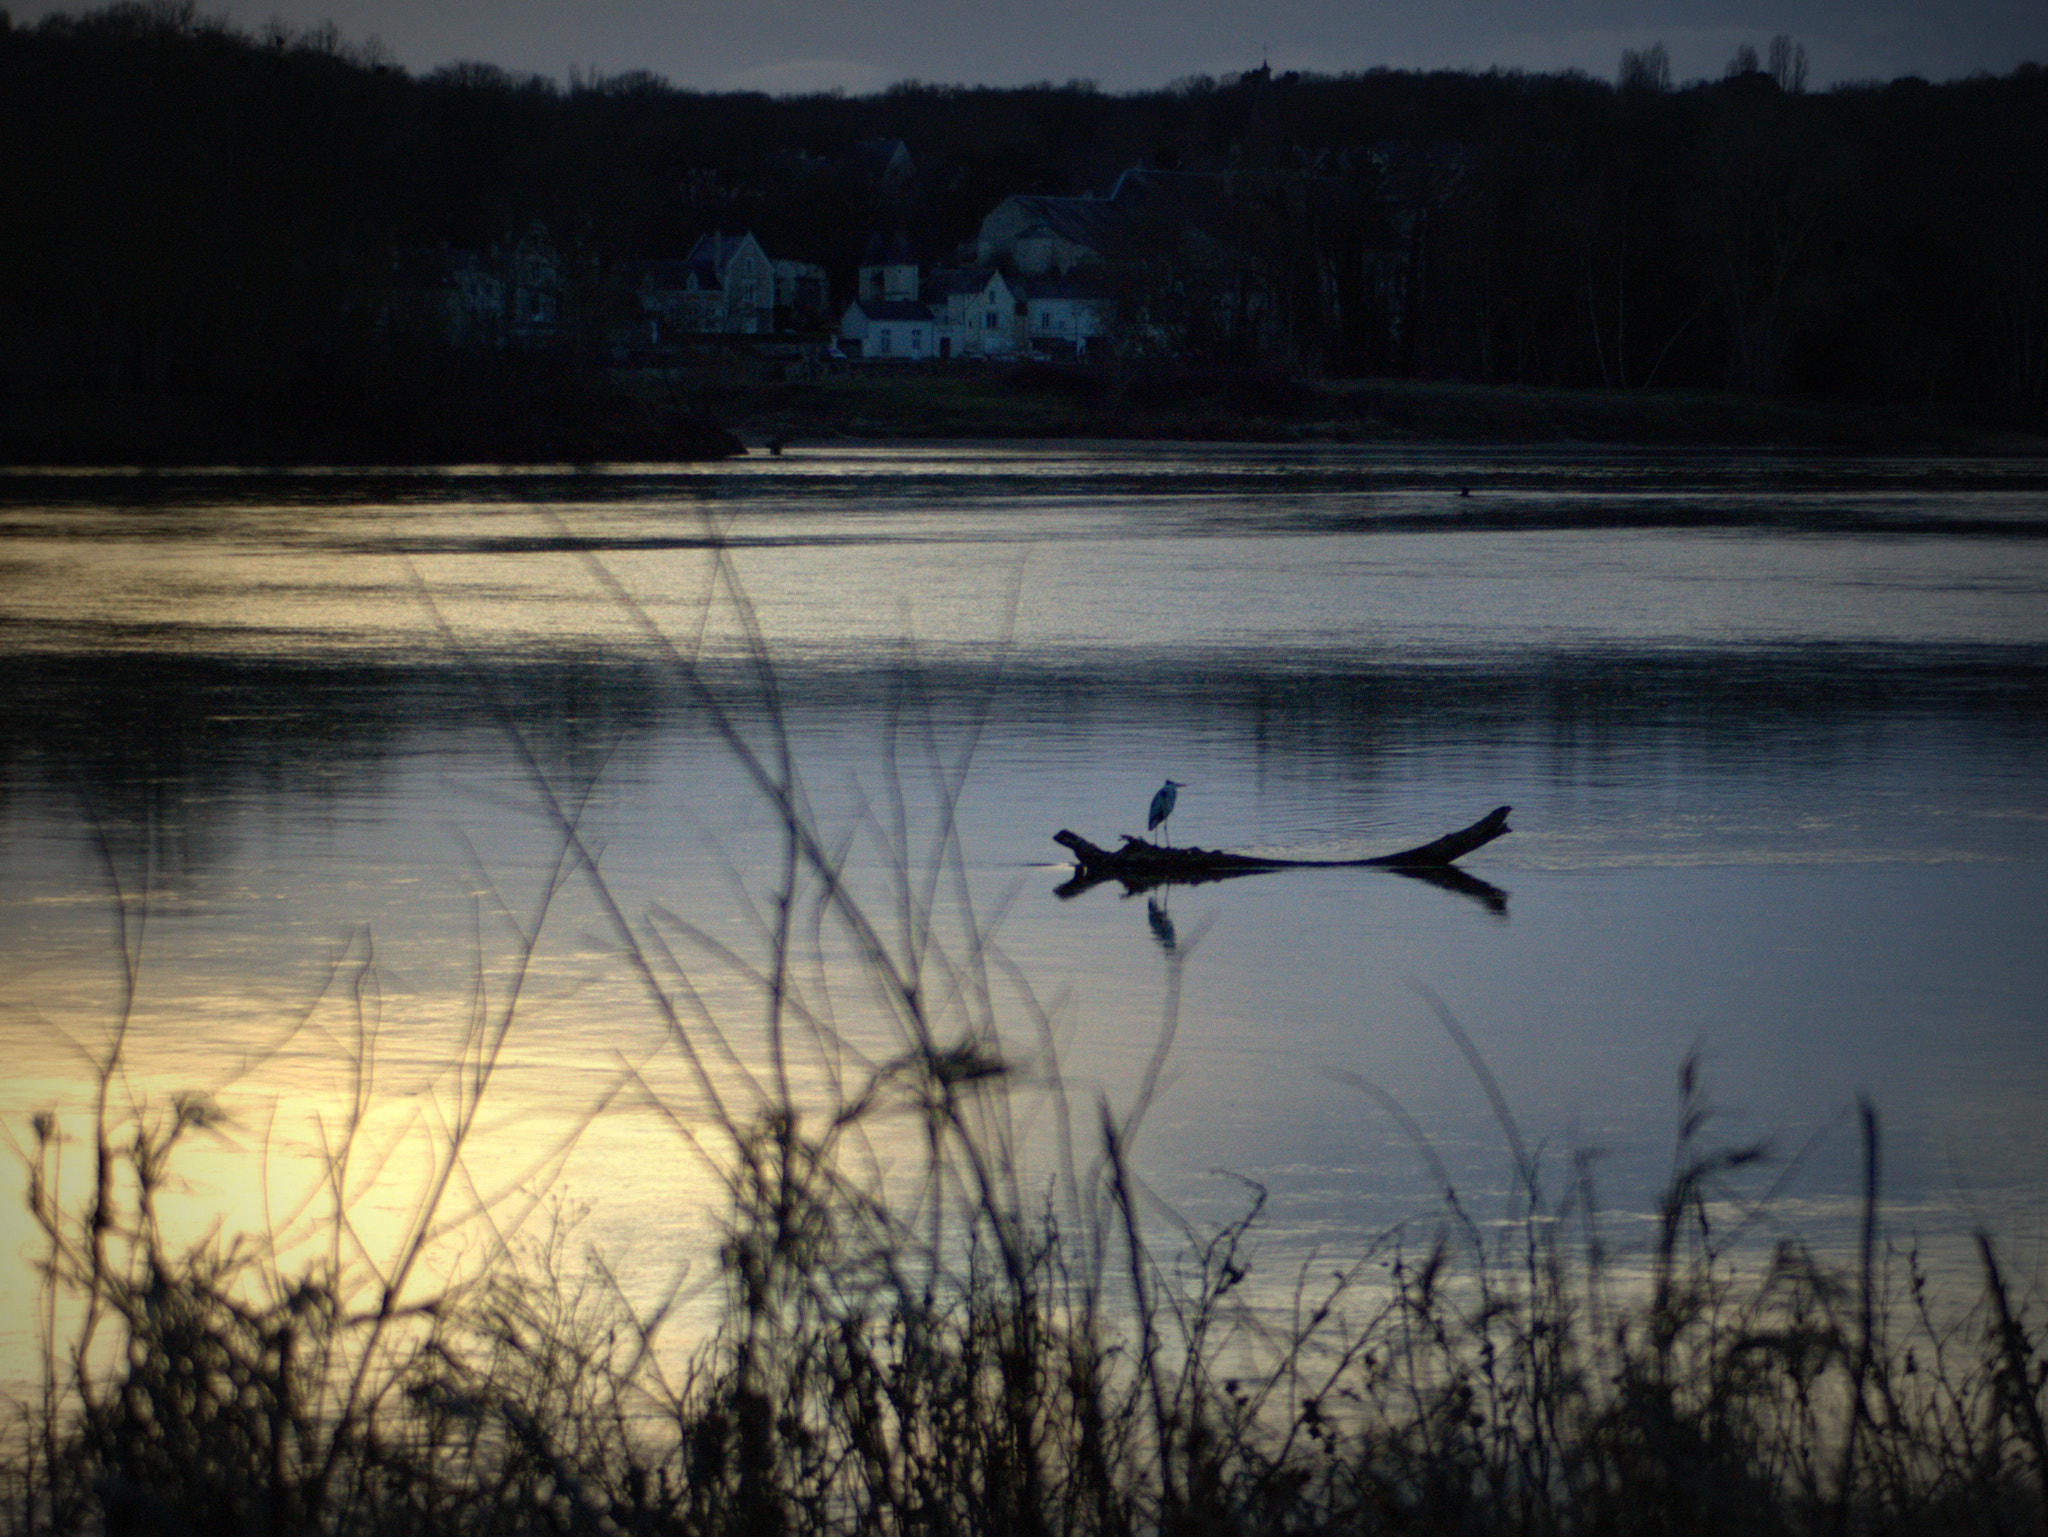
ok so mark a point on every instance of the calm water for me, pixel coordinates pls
(1775, 731)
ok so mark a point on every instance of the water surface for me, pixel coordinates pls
(1772, 728)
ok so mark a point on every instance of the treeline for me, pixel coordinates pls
(197, 211)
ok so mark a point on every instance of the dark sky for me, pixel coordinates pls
(861, 46)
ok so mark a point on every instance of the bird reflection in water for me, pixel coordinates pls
(1162, 923)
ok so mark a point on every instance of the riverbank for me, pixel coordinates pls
(971, 400)
(551, 422)
(728, 405)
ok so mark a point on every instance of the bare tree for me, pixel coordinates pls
(1649, 70)
(1788, 64)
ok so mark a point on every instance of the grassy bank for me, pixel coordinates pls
(977, 400)
(498, 421)
(685, 413)
(922, 1327)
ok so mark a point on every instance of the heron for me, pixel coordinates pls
(1162, 806)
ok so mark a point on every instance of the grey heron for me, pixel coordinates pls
(1162, 806)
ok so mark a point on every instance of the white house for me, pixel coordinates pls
(889, 328)
(888, 270)
(1065, 315)
(975, 310)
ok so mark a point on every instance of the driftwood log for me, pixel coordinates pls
(1140, 866)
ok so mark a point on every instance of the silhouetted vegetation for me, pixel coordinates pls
(926, 1324)
(200, 215)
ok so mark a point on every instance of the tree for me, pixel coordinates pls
(1788, 65)
(1649, 70)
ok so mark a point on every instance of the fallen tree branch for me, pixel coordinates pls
(1139, 865)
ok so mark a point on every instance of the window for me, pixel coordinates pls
(882, 341)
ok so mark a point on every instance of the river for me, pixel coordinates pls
(1774, 729)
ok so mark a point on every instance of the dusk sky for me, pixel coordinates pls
(860, 46)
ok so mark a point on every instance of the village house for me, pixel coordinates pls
(888, 318)
(888, 270)
(974, 312)
(1064, 315)
(889, 328)
(1038, 235)
(884, 163)
(1145, 210)
(980, 311)
(725, 286)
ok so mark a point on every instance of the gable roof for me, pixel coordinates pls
(893, 309)
(886, 160)
(1093, 222)
(719, 247)
(1069, 287)
(713, 254)
(944, 282)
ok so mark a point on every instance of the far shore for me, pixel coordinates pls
(1218, 404)
(651, 415)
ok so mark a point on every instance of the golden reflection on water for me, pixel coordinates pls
(367, 1122)
(421, 1082)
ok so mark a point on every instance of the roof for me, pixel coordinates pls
(1093, 222)
(719, 247)
(942, 282)
(887, 159)
(1060, 288)
(892, 309)
(713, 253)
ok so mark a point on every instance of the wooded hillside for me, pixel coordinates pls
(197, 212)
